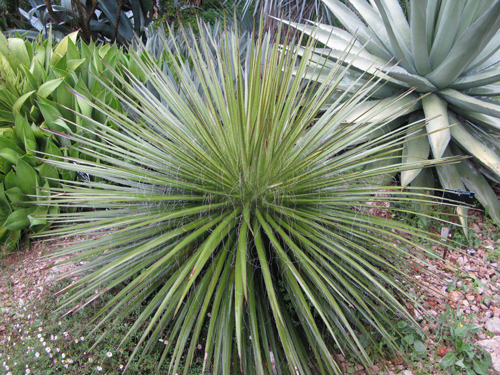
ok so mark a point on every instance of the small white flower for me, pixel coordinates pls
(59, 322)
(47, 349)
(63, 355)
(109, 354)
(39, 329)
(91, 359)
(65, 365)
(39, 335)
(121, 367)
(37, 354)
(99, 368)
(76, 341)
(6, 368)
(58, 350)
(44, 343)
(28, 371)
(82, 338)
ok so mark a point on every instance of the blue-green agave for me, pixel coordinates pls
(449, 51)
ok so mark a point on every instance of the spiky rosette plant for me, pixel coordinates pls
(449, 51)
(239, 237)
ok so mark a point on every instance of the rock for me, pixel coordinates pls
(441, 352)
(488, 314)
(470, 298)
(493, 347)
(493, 325)
(454, 296)
(496, 312)
(407, 372)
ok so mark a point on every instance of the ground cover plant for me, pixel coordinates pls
(448, 51)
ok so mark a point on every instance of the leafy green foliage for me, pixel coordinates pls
(411, 343)
(466, 357)
(448, 51)
(34, 96)
(224, 193)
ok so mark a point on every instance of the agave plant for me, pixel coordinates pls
(98, 20)
(450, 52)
(235, 217)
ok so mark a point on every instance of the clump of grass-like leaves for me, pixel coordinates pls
(221, 196)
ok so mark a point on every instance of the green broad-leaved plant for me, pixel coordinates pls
(449, 50)
(35, 77)
(234, 224)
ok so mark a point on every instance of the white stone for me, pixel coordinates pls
(493, 325)
(493, 347)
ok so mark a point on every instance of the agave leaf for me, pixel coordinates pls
(470, 143)
(376, 110)
(467, 17)
(482, 119)
(421, 84)
(356, 27)
(400, 49)
(435, 110)
(418, 42)
(489, 56)
(373, 20)
(475, 182)
(424, 183)
(125, 28)
(449, 177)
(401, 26)
(446, 28)
(479, 80)
(431, 18)
(469, 103)
(488, 90)
(416, 149)
(470, 44)
(336, 39)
